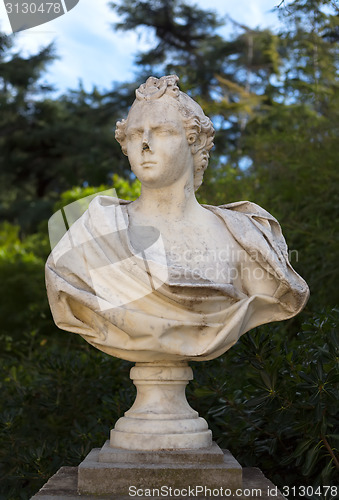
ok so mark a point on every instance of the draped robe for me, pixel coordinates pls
(126, 302)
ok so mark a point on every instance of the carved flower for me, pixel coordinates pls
(156, 87)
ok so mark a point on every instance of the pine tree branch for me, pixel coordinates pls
(329, 449)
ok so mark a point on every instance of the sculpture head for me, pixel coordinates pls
(197, 127)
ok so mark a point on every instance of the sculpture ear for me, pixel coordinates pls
(200, 143)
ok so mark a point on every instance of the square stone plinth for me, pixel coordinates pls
(63, 486)
(212, 468)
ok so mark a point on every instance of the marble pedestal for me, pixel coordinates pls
(160, 441)
(161, 418)
(111, 471)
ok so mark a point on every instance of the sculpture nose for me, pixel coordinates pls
(145, 146)
(146, 141)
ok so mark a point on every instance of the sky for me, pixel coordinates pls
(90, 51)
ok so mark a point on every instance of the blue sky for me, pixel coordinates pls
(89, 50)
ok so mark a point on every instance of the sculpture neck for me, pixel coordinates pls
(172, 203)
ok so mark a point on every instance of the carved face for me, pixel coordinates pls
(157, 147)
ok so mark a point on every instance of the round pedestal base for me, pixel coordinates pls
(161, 418)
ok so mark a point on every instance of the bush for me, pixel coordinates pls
(274, 403)
(272, 399)
(57, 407)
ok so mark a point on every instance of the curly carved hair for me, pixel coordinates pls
(199, 128)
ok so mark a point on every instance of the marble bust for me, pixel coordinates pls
(221, 270)
(164, 280)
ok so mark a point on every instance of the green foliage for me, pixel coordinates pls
(24, 310)
(20, 75)
(49, 145)
(272, 399)
(294, 152)
(178, 27)
(276, 403)
(121, 188)
(78, 193)
(54, 409)
(126, 190)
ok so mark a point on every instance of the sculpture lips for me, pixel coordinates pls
(148, 163)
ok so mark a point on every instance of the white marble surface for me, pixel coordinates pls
(161, 417)
(164, 278)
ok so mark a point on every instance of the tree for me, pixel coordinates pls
(274, 101)
(293, 145)
(48, 145)
(19, 87)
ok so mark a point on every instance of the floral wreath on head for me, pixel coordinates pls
(197, 125)
(154, 88)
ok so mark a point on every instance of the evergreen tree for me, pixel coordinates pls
(274, 101)
(48, 145)
(293, 144)
(20, 86)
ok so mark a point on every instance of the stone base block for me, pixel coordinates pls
(63, 486)
(189, 470)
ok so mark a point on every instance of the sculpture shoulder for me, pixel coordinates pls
(86, 222)
(247, 214)
(100, 206)
(100, 202)
(247, 208)
(252, 226)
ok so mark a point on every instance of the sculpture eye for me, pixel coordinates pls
(133, 134)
